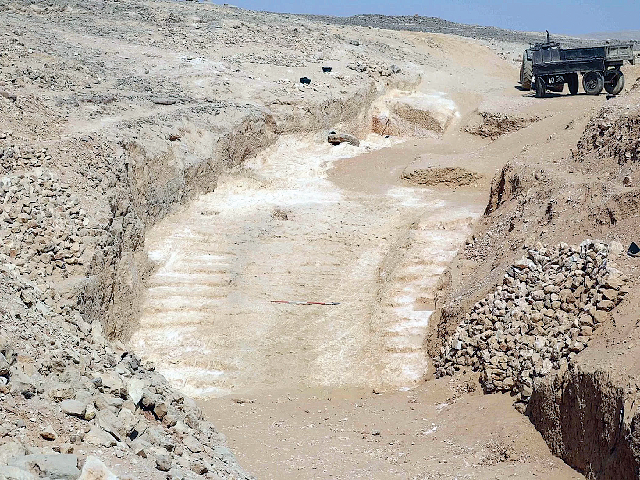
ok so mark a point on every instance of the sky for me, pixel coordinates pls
(572, 17)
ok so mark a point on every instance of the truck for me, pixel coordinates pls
(547, 67)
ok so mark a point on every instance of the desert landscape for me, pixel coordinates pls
(242, 244)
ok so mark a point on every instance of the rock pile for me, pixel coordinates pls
(542, 315)
(46, 235)
(12, 157)
(419, 23)
(67, 393)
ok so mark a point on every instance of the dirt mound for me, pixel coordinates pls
(415, 115)
(445, 176)
(590, 421)
(494, 125)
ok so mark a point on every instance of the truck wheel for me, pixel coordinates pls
(572, 83)
(593, 82)
(613, 81)
(540, 87)
(526, 72)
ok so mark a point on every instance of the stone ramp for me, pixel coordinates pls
(283, 232)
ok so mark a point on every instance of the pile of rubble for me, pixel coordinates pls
(67, 395)
(542, 315)
(46, 235)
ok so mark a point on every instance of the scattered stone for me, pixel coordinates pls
(90, 412)
(199, 468)
(128, 420)
(15, 473)
(160, 410)
(110, 424)
(74, 408)
(10, 450)
(5, 368)
(616, 248)
(148, 400)
(163, 462)
(97, 436)
(192, 444)
(48, 433)
(112, 382)
(58, 466)
(10, 96)
(544, 311)
(140, 448)
(164, 101)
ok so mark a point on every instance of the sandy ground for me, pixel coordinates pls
(434, 432)
(288, 227)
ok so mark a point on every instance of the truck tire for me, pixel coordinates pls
(613, 81)
(572, 83)
(540, 87)
(526, 72)
(593, 82)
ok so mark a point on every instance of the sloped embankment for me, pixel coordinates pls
(585, 409)
(588, 414)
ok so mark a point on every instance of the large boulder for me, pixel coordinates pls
(56, 467)
(9, 451)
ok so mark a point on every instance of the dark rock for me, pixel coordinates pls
(163, 462)
(338, 138)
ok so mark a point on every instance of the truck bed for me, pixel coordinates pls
(557, 61)
(619, 53)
